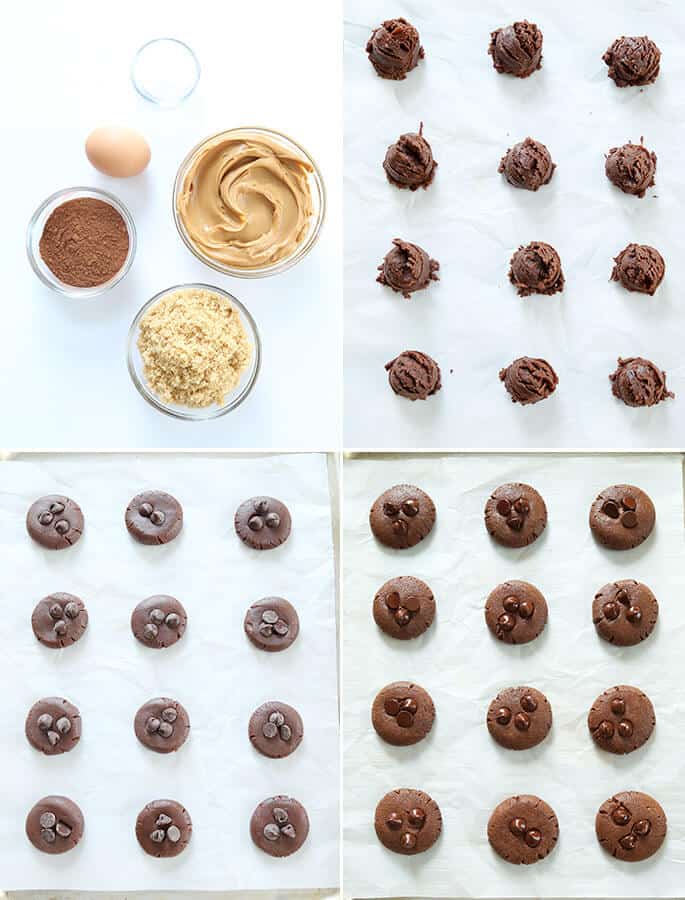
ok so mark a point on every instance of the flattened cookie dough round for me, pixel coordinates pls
(272, 624)
(55, 522)
(523, 829)
(263, 523)
(624, 612)
(59, 620)
(279, 826)
(622, 517)
(519, 718)
(631, 826)
(159, 621)
(275, 729)
(154, 517)
(55, 825)
(53, 726)
(516, 612)
(164, 828)
(403, 713)
(621, 719)
(404, 607)
(408, 821)
(162, 725)
(515, 515)
(402, 516)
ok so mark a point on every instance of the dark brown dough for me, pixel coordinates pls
(414, 375)
(529, 380)
(638, 382)
(164, 828)
(517, 49)
(536, 269)
(409, 161)
(279, 826)
(407, 268)
(631, 168)
(527, 165)
(633, 61)
(394, 48)
(639, 268)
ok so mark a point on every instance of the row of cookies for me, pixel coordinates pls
(279, 825)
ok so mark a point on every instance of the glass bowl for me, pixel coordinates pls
(234, 399)
(35, 230)
(165, 71)
(318, 193)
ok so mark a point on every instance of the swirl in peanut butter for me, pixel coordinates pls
(245, 200)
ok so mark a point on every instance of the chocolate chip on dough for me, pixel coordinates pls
(262, 523)
(154, 517)
(55, 522)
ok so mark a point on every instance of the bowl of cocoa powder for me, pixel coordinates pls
(81, 241)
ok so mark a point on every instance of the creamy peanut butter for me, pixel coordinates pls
(245, 200)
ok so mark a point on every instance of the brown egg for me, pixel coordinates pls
(117, 151)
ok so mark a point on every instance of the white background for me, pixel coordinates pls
(472, 322)
(214, 671)
(463, 667)
(65, 70)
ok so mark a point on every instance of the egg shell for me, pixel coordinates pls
(117, 151)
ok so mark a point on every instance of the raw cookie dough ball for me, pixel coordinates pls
(529, 380)
(527, 165)
(639, 267)
(631, 168)
(414, 375)
(409, 161)
(536, 269)
(638, 382)
(517, 49)
(633, 61)
(407, 267)
(394, 49)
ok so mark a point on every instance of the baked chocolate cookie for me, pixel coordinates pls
(279, 826)
(622, 517)
(154, 517)
(402, 516)
(59, 620)
(272, 624)
(515, 515)
(159, 621)
(631, 826)
(403, 713)
(164, 828)
(404, 607)
(516, 612)
(53, 726)
(523, 829)
(55, 522)
(55, 825)
(263, 523)
(275, 729)
(519, 718)
(162, 725)
(621, 719)
(408, 821)
(624, 612)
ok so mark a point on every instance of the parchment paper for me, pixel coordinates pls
(463, 667)
(472, 322)
(214, 671)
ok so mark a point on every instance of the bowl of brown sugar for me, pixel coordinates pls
(81, 241)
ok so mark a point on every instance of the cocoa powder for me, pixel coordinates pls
(84, 242)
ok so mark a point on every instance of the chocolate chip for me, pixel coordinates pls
(273, 520)
(152, 725)
(289, 831)
(522, 721)
(270, 616)
(620, 815)
(157, 836)
(529, 703)
(281, 628)
(605, 730)
(506, 622)
(163, 820)
(625, 728)
(48, 836)
(145, 510)
(391, 707)
(56, 611)
(394, 821)
(173, 834)
(48, 820)
(533, 837)
(56, 507)
(413, 604)
(158, 517)
(526, 609)
(400, 526)
(518, 826)
(629, 519)
(633, 614)
(62, 829)
(277, 718)
(611, 610)
(266, 630)
(522, 506)
(61, 526)
(410, 705)
(255, 523)
(511, 604)
(416, 818)
(628, 841)
(269, 730)
(71, 610)
(503, 507)
(169, 714)
(173, 620)
(629, 502)
(165, 729)
(390, 509)
(622, 596)
(286, 732)
(402, 616)
(45, 722)
(45, 518)
(280, 815)
(503, 715)
(408, 841)
(261, 507)
(642, 827)
(63, 725)
(150, 631)
(515, 523)
(410, 507)
(405, 719)
(60, 627)
(156, 616)
(610, 508)
(53, 738)
(392, 601)
(272, 832)
(618, 706)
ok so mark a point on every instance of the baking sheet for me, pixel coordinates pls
(471, 321)
(463, 667)
(214, 671)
